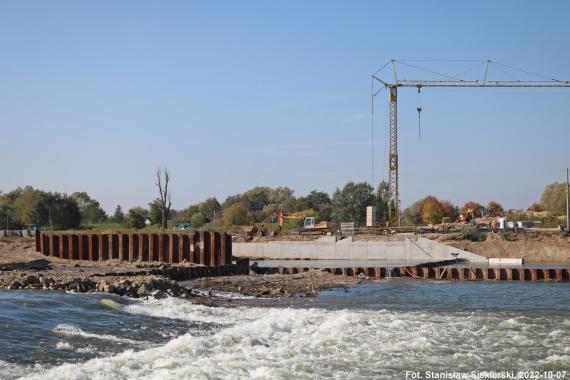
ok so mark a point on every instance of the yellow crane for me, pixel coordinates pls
(391, 82)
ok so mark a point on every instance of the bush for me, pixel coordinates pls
(137, 217)
(509, 236)
(473, 234)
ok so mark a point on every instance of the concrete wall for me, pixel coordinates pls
(327, 248)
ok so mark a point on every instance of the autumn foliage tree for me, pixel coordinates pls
(495, 208)
(474, 206)
(430, 210)
(535, 207)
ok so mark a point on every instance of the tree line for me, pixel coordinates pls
(27, 206)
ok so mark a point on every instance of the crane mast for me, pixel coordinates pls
(392, 85)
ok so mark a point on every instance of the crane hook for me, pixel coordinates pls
(419, 109)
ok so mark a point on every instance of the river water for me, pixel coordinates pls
(373, 330)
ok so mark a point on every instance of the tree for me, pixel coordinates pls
(137, 217)
(382, 198)
(317, 199)
(412, 215)
(495, 209)
(474, 206)
(165, 201)
(198, 220)
(8, 218)
(90, 209)
(431, 210)
(34, 207)
(118, 216)
(349, 203)
(449, 210)
(65, 212)
(185, 216)
(155, 211)
(535, 207)
(236, 214)
(553, 198)
(210, 207)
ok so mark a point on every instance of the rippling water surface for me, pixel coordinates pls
(372, 331)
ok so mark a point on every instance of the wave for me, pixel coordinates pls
(71, 330)
(321, 343)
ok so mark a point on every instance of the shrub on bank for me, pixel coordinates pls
(473, 234)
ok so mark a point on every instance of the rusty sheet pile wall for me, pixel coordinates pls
(449, 273)
(205, 248)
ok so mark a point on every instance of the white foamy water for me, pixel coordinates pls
(270, 343)
(71, 330)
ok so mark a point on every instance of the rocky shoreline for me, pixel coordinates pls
(135, 288)
(21, 268)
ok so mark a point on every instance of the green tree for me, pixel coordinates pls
(553, 198)
(34, 207)
(198, 220)
(155, 211)
(185, 215)
(236, 215)
(382, 198)
(90, 209)
(210, 207)
(8, 210)
(255, 200)
(65, 212)
(413, 215)
(136, 217)
(350, 202)
(119, 215)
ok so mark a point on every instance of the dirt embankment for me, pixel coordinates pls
(23, 268)
(533, 247)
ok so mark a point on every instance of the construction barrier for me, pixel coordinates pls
(207, 248)
(447, 273)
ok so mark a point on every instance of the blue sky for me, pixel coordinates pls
(94, 96)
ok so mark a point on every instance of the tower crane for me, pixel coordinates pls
(391, 82)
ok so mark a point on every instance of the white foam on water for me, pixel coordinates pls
(9, 371)
(63, 346)
(71, 330)
(273, 343)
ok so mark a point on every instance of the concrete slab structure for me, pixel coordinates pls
(328, 248)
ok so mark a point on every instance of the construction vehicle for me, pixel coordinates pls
(467, 217)
(310, 225)
(254, 230)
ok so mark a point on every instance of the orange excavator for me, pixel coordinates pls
(310, 226)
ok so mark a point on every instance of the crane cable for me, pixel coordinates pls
(419, 109)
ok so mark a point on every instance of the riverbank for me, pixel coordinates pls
(22, 268)
(533, 247)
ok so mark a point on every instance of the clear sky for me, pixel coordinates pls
(95, 95)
